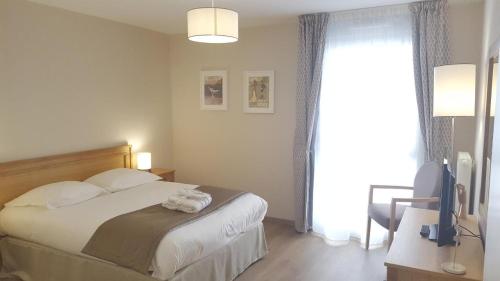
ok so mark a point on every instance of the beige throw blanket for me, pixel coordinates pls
(130, 240)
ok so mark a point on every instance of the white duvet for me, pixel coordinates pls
(69, 228)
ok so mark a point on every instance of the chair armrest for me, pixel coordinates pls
(373, 187)
(394, 201)
(414, 200)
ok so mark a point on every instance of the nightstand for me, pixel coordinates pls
(165, 174)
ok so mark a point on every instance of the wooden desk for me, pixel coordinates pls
(413, 258)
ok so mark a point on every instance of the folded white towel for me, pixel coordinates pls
(188, 202)
(186, 205)
(194, 194)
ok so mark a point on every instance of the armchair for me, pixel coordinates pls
(426, 191)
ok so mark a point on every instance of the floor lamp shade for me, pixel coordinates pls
(212, 25)
(454, 90)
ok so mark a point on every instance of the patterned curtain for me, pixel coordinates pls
(312, 34)
(431, 49)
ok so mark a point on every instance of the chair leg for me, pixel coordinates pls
(391, 233)
(392, 223)
(368, 230)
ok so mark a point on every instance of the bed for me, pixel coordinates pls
(45, 244)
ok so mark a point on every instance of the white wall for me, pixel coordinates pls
(492, 255)
(71, 82)
(232, 149)
(465, 34)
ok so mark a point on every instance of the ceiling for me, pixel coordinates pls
(169, 16)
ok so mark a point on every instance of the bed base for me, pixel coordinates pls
(33, 262)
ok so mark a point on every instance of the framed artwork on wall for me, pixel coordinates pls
(258, 91)
(213, 90)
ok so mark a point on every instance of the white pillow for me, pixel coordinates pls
(56, 195)
(121, 178)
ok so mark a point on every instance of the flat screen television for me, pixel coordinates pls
(444, 232)
(445, 228)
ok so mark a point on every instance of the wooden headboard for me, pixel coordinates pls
(18, 177)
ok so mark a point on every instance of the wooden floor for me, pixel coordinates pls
(305, 257)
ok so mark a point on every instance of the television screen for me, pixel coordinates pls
(446, 230)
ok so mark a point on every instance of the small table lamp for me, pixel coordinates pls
(454, 93)
(144, 161)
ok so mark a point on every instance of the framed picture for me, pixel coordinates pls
(213, 90)
(258, 91)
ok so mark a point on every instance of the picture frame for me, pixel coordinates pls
(258, 91)
(213, 90)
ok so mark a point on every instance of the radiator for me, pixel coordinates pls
(464, 177)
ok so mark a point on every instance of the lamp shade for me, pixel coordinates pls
(454, 90)
(143, 160)
(212, 25)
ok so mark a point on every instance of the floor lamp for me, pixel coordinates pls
(454, 95)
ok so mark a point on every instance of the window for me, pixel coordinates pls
(368, 130)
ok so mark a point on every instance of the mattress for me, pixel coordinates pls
(68, 229)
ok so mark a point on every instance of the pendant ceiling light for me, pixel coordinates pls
(212, 25)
